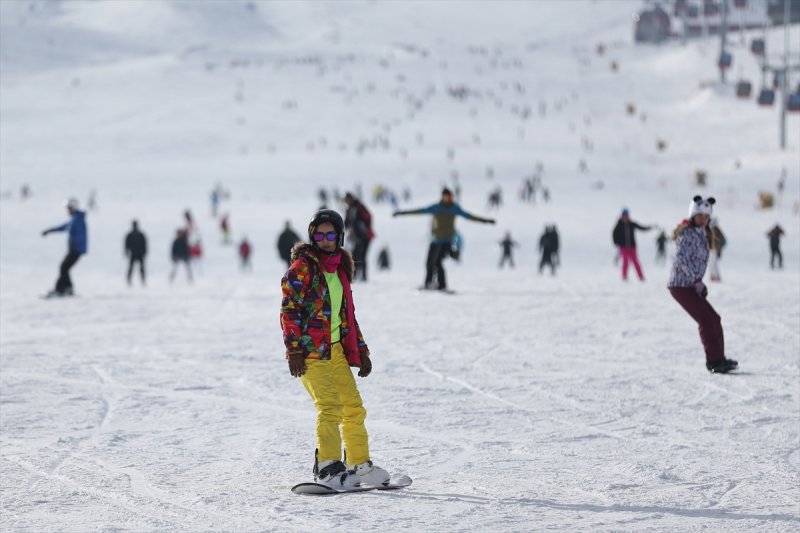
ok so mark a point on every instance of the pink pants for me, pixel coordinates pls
(629, 255)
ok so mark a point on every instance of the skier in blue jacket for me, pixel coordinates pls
(77, 245)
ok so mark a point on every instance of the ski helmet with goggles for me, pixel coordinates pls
(331, 216)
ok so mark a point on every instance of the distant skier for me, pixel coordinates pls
(548, 246)
(383, 259)
(323, 340)
(245, 249)
(625, 239)
(694, 241)
(358, 223)
(443, 233)
(180, 254)
(507, 244)
(77, 244)
(224, 227)
(286, 241)
(661, 247)
(135, 250)
(215, 199)
(716, 253)
(775, 235)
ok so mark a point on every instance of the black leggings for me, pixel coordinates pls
(64, 283)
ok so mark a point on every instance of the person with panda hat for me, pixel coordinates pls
(323, 340)
(694, 241)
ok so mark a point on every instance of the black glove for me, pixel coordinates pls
(366, 366)
(45, 232)
(701, 289)
(396, 213)
(297, 364)
(489, 221)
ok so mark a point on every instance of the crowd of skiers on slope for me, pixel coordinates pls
(187, 247)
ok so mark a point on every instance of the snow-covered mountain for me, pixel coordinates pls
(522, 402)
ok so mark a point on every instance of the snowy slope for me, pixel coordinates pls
(520, 403)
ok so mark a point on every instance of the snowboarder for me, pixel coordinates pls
(443, 233)
(136, 250)
(716, 253)
(77, 243)
(358, 223)
(775, 235)
(323, 340)
(286, 241)
(625, 240)
(244, 254)
(548, 245)
(694, 241)
(508, 245)
(181, 254)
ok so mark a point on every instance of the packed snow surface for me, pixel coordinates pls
(523, 401)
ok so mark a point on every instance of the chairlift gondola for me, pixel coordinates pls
(766, 97)
(743, 89)
(793, 102)
(758, 47)
(725, 60)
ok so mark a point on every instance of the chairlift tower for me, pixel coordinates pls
(723, 41)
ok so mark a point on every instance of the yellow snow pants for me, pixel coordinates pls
(333, 388)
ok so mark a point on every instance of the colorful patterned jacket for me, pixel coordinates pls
(306, 309)
(692, 244)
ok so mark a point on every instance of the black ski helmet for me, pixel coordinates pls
(327, 215)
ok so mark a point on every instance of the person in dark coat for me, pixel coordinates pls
(77, 245)
(775, 235)
(507, 244)
(548, 246)
(136, 250)
(286, 241)
(661, 247)
(358, 223)
(625, 239)
(383, 259)
(180, 254)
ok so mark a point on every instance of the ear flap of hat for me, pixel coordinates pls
(697, 199)
(711, 200)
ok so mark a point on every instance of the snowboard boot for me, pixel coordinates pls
(334, 474)
(722, 367)
(368, 474)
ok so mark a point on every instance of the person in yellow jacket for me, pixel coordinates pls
(323, 341)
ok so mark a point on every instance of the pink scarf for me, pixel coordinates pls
(330, 264)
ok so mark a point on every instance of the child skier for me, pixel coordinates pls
(323, 341)
(694, 240)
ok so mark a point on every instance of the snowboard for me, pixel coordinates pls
(397, 481)
(52, 295)
(420, 290)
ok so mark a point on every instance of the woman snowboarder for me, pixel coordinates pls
(694, 240)
(323, 341)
